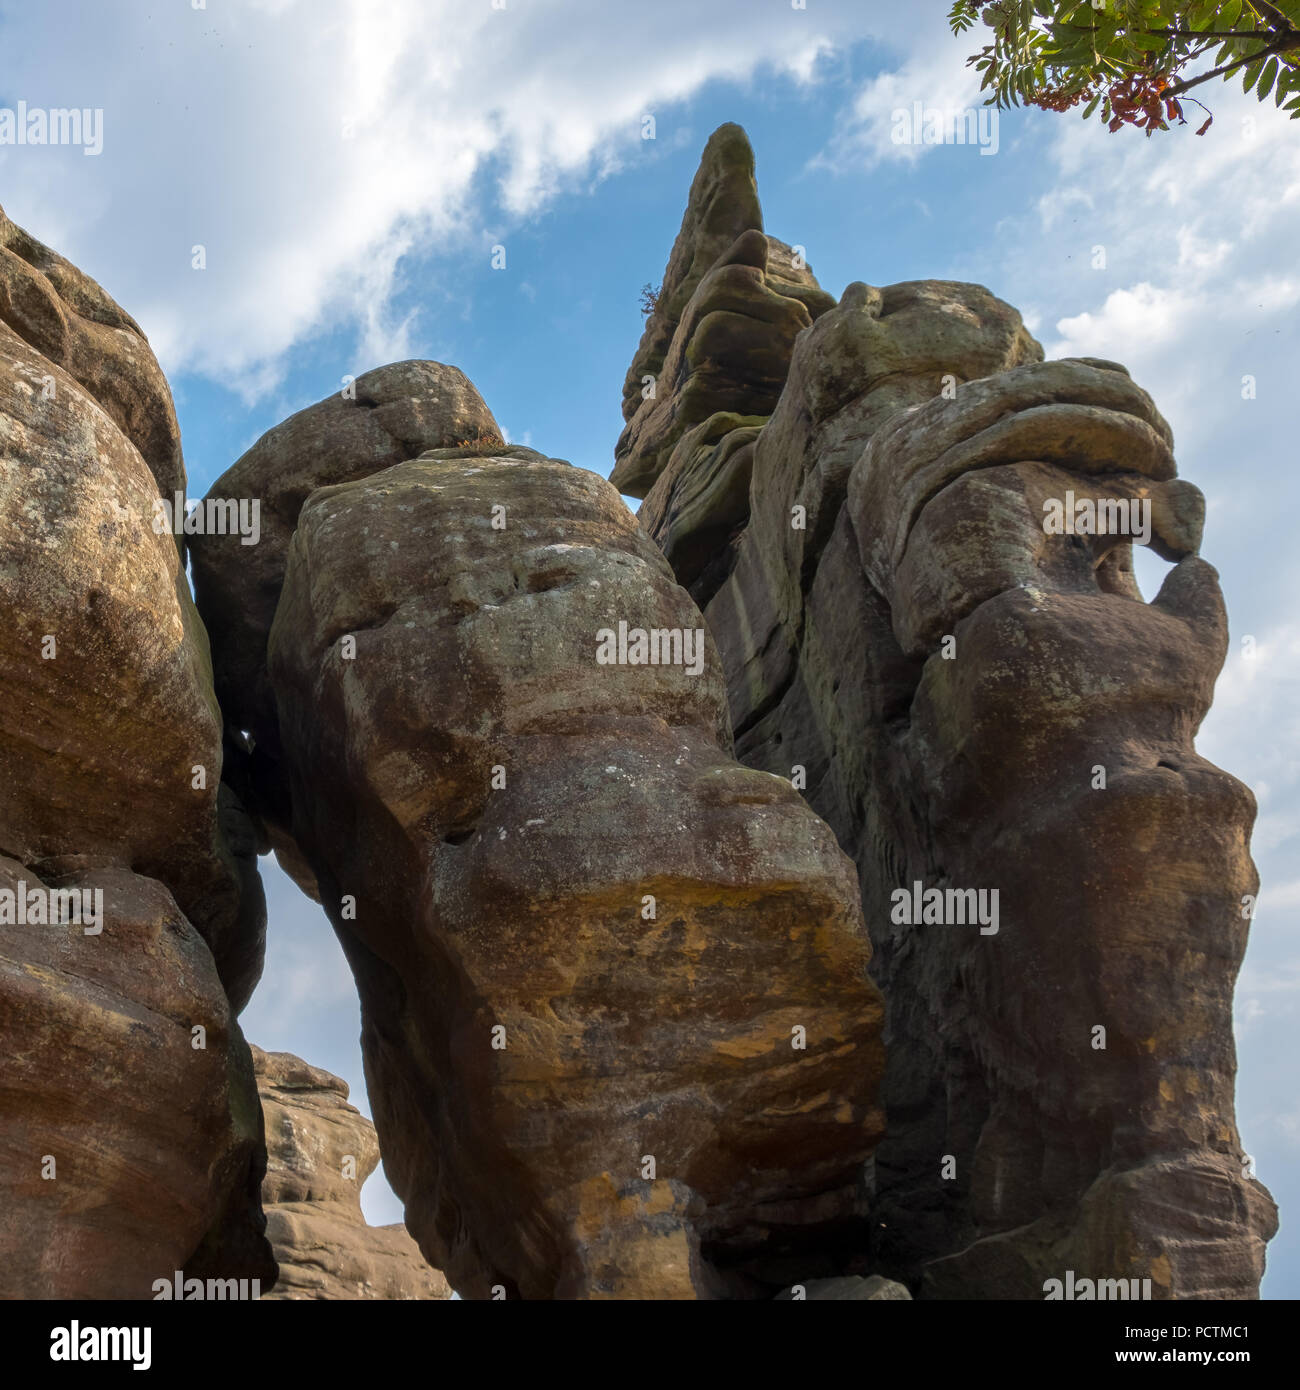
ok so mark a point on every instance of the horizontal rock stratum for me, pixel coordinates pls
(320, 1151)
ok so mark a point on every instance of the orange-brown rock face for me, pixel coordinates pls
(131, 1142)
(110, 737)
(124, 1144)
(619, 1035)
(320, 1151)
(979, 703)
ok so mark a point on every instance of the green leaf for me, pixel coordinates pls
(1267, 80)
(1252, 72)
(1091, 106)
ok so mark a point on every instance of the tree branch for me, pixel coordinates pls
(1284, 43)
(1271, 16)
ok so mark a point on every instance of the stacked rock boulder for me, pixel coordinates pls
(131, 1143)
(619, 1035)
(320, 1151)
(975, 703)
(608, 814)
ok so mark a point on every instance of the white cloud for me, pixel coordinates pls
(902, 113)
(1145, 314)
(309, 145)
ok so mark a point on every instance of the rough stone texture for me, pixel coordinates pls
(98, 742)
(719, 339)
(894, 500)
(385, 417)
(523, 906)
(69, 320)
(108, 710)
(153, 1142)
(723, 205)
(320, 1151)
(1120, 906)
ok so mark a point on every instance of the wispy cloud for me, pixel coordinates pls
(309, 145)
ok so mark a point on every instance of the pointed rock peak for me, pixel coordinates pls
(723, 324)
(724, 194)
(723, 204)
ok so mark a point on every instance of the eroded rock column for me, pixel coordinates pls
(131, 915)
(619, 1035)
(977, 703)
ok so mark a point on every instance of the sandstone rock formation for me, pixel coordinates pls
(122, 1145)
(974, 703)
(382, 418)
(619, 1035)
(131, 1139)
(608, 814)
(320, 1151)
(711, 363)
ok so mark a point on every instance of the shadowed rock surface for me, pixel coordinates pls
(320, 1151)
(901, 635)
(619, 1036)
(110, 759)
(850, 1289)
(619, 1032)
(122, 1145)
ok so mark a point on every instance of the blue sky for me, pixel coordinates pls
(348, 167)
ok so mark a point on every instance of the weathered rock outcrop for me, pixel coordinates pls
(111, 736)
(620, 1033)
(619, 1036)
(382, 418)
(712, 361)
(131, 1133)
(976, 704)
(123, 1144)
(320, 1151)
